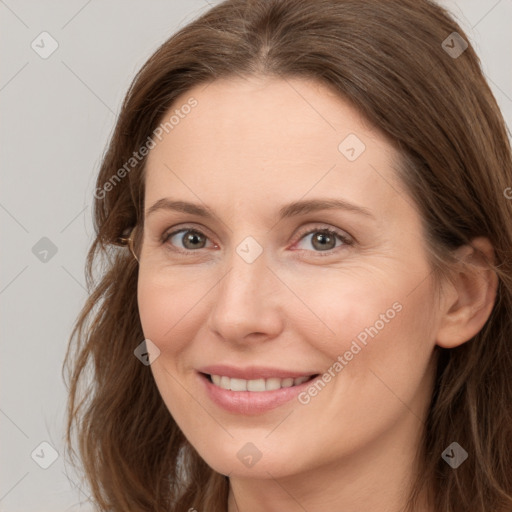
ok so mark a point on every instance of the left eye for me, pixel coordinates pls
(324, 239)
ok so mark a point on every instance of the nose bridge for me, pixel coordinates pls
(247, 274)
(246, 296)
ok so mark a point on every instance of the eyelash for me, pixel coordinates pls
(330, 231)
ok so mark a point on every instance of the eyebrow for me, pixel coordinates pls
(289, 210)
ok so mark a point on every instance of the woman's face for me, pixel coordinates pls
(261, 287)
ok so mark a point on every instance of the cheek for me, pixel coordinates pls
(355, 304)
(376, 324)
(168, 307)
(377, 365)
(167, 316)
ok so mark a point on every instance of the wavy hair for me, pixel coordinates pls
(388, 59)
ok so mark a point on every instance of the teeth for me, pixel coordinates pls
(256, 384)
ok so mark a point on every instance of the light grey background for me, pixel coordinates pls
(57, 115)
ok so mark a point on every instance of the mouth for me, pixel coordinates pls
(252, 389)
(256, 385)
(252, 397)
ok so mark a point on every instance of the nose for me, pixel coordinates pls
(248, 302)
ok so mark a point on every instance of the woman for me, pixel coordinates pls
(340, 338)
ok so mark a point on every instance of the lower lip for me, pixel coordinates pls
(251, 402)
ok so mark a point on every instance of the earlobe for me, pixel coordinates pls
(471, 297)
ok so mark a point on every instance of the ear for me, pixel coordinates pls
(468, 301)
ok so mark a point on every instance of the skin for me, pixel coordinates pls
(250, 146)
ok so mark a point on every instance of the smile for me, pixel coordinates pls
(253, 396)
(257, 385)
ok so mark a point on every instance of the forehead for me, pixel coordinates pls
(249, 139)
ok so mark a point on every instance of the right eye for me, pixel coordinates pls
(191, 239)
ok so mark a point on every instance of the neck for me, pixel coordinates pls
(377, 478)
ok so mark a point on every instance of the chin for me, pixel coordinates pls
(244, 460)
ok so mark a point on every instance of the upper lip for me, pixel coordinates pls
(252, 372)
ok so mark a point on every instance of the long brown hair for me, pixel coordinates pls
(390, 60)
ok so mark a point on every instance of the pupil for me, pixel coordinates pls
(323, 239)
(192, 238)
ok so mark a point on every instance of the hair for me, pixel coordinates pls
(386, 58)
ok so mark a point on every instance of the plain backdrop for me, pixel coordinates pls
(57, 114)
